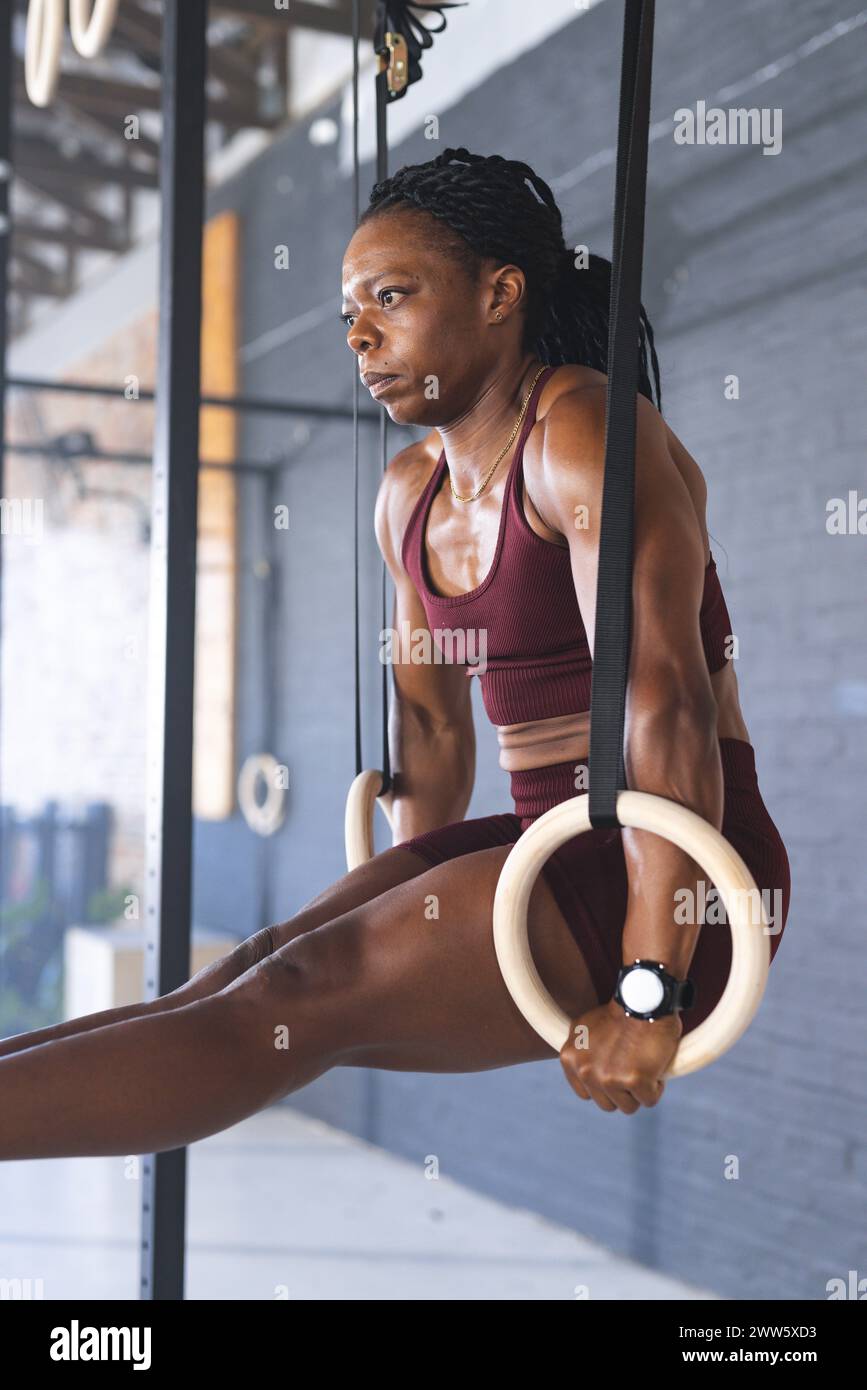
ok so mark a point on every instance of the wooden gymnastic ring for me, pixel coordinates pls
(358, 821)
(703, 843)
(91, 23)
(266, 817)
(43, 45)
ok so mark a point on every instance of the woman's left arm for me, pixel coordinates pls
(671, 747)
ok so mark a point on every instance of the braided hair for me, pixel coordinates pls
(486, 205)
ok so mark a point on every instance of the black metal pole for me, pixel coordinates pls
(173, 592)
(133, 460)
(241, 403)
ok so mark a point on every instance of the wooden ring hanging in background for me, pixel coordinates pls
(42, 48)
(91, 23)
(267, 816)
(358, 821)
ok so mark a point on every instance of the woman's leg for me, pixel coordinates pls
(406, 981)
(358, 886)
(212, 978)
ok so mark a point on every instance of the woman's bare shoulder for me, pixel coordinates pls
(402, 483)
(572, 378)
(566, 378)
(412, 466)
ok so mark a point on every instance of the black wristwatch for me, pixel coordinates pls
(645, 989)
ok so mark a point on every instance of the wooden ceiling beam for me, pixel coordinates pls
(33, 277)
(142, 33)
(115, 101)
(69, 200)
(34, 155)
(143, 144)
(24, 229)
(322, 19)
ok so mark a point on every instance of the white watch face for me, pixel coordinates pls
(642, 990)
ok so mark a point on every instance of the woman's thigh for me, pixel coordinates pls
(416, 975)
(380, 873)
(385, 870)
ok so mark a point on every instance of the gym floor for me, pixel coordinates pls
(304, 1212)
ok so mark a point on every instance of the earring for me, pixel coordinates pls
(498, 315)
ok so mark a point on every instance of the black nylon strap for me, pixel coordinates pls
(395, 16)
(382, 173)
(613, 630)
(356, 386)
(392, 16)
(382, 98)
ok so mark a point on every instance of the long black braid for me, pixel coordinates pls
(486, 205)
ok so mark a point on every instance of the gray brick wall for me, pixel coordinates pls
(755, 265)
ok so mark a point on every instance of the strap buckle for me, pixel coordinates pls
(394, 62)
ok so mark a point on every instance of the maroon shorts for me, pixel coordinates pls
(588, 877)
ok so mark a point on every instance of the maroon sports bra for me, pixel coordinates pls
(537, 661)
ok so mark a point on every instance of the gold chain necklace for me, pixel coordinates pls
(479, 490)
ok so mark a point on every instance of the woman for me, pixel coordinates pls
(468, 315)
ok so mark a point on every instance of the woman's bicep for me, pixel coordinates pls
(438, 690)
(666, 654)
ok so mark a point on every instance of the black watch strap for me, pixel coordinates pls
(684, 994)
(680, 994)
